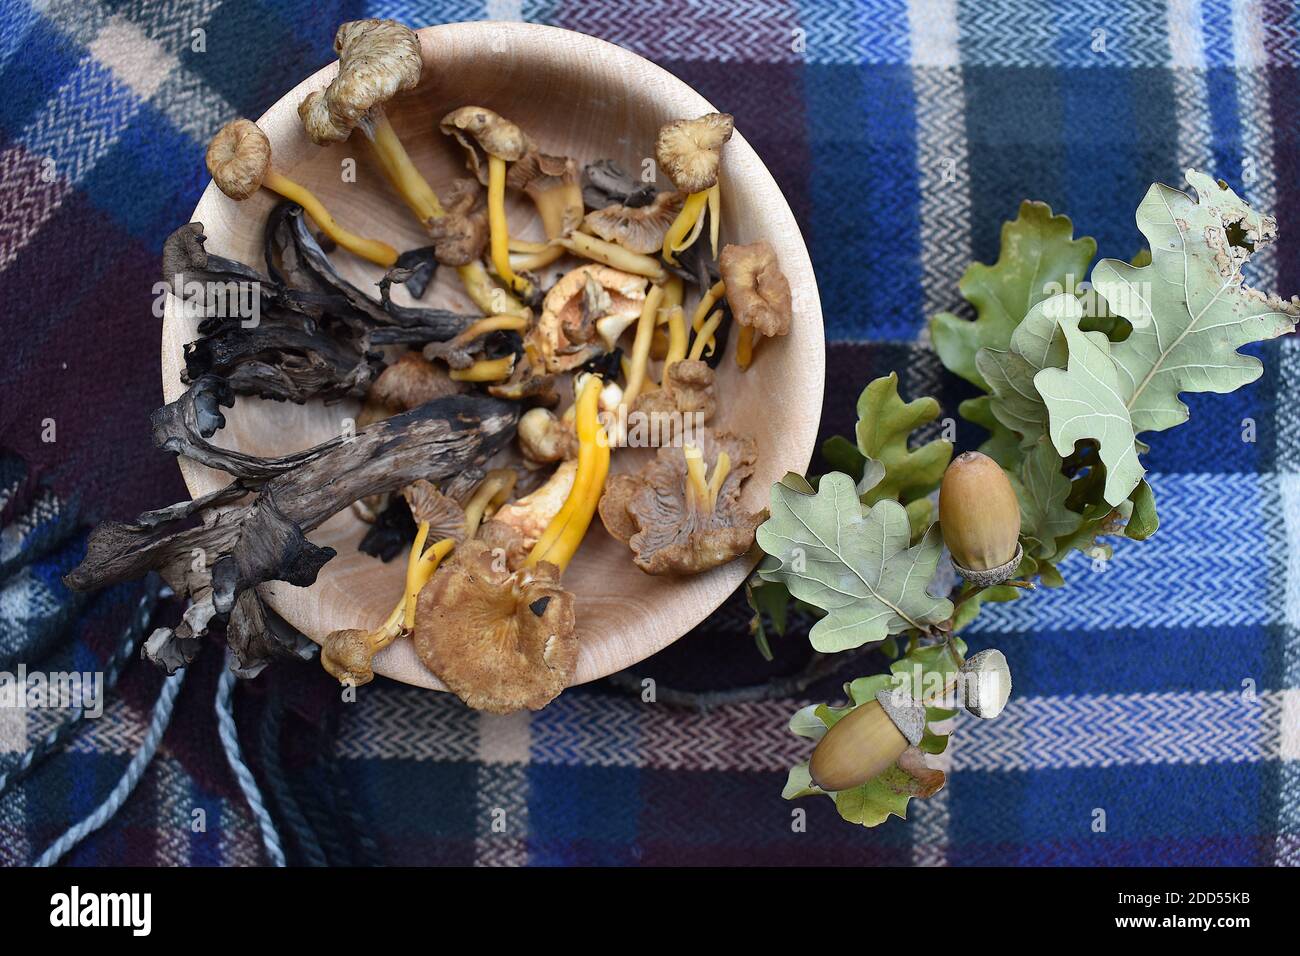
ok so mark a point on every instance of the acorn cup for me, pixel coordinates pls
(979, 516)
(867, 742)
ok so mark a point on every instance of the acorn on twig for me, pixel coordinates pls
(979, 516)
(867, 742)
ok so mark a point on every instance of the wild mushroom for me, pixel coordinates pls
(688, 389)
(377, 60)
(411, 380)
(641, 344)
(607, 253)
(637, 228)
(481, 130)
(500, 640)
(690, 151)
(758, 293)
(562, 337)
(552, 183)
(461, 234)
(560, 541)
(543, 438)
(458, 352)
(239, 159)
(681, 514)
(346, 654)
(517, 526)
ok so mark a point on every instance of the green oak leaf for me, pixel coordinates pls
(1039, 257)
(1042, 491)
(1002, 445)
(770, 600)
(1144, 521)
(842, 455)
(1038, 343)
(855, 563)
(885, 423)
(1084, 400)
(1189, 308)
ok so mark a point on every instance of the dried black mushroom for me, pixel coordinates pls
(237, 546)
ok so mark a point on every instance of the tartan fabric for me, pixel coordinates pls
(1164, 691)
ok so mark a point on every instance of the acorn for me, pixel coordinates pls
(867, 742)
(986, 683)
(980, 519)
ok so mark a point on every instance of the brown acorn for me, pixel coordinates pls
(980, 519)
(866, 742)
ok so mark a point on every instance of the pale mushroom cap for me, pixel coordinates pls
(445, 517)
(757, 290)
(461, 235)
(377, 60)
(689, 151)
(410, 381)
(479, 128)
(637, 228)
(562, 312)
(238, 158)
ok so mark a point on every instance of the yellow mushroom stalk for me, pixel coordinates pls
(607, 253)
(677, 340)
(705, 305)
(239, 159)
(485, 370)
(701, 489)
(499, 228)
(489, 324)
(745, 347)
(641, 345)
(493, 491)
(705, 336)
(686, 228)
(560, 541)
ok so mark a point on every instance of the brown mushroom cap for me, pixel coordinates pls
(446, 518)
(558, 333)
(619, 492)
(499, 641)
(238, 158)
(377, 60)
(460, 236)
(689, 150)
(409, 382)
(671, 537)
(637, 228)
(347, 655)
(480, 130)
(757, 289)
(689, 390)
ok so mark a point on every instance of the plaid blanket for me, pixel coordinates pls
(1164, 692)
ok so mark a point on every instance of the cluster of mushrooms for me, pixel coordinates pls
(621, 314)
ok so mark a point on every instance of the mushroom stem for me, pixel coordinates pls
(559, 542)
(677, 336)
(485, 370)
(715, 215)
(689, 220)
(705, 336)
(485, 293)
(607, 253)
(396, 163)
(524, 246)
(538, 260)
(499, 229)
(492, 492)
(491, 323)
(641, 345)
(416, 192)
(702, 489)
(706, 303)
(380, 253)
(674, 290)
(745, 343)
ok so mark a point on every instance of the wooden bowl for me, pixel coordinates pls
(577, 96)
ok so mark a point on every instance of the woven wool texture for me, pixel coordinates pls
(1164, 691)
